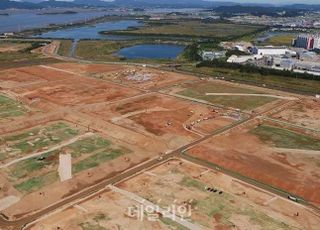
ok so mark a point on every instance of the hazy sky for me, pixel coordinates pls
(250, 1)
(280, 1)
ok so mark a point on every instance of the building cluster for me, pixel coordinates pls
(307, 41)
(282, 58)
(211, 55)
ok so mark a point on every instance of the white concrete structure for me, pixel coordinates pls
(270, 51)
(316, 44)
(242, 59)
(65, 167)
(211, 55)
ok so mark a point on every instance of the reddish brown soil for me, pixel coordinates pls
(244, 153)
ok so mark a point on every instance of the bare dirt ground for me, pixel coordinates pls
(244, 153)
(120, 104)
(108, 210)
(182, 184)
(305, 112)
(12, 47)
(135, 76)
(240, 206)
(173, 121)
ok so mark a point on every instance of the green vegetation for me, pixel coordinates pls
(37, 183)
(65, 46)
(191, 53)
(220, 206)
(241, 102)
(191, 183)
(105, 50)
(10, 108)
(283, 138)
(26, 167)
(248, 68)
(35, 172)
(36, 139)
(101, 50)
(91, 226)
(190, 28)
(280, 40)
(97, 159)
(22, 57)
(269, 80)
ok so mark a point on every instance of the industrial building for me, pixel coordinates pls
(271, 51)
(211, 55)
(307, 41)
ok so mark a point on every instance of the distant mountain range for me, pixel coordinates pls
(38, 4)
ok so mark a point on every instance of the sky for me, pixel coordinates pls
(279, 1)
(276, 2)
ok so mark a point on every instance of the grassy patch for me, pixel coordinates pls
(37, 139)
(87, 145)
(37, 183)
(23, 58)
(91, 226)
(26, 167)
(97, 159)
(241, 102)
(270, 81)
(65, 46)
(10, 108)
(280, 40)
(190, 28)
(101, 50)
(191, 183)
(283, 138)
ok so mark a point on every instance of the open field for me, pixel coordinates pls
(237, 206)
(174, 121)
(12, 47)
(191, 28)
(18, 54)
(95, 214)
(101, 50)
(274, 82)
(180, 187)
(58, 87)
(282, 158)
(280, 40)
(305, 113)
(35, 172)
(106, 50)
(95, 122)
(200, 89)
(10, 108)
(64, 48)
(133, 76)
(32, 172)
(34, 140)
(283, 138)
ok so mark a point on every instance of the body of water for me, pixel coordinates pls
(151, 51)
(91, 31)
(19, 21)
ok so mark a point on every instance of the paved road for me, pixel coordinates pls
(20, 223)
(59, 146)
(145, 203)
(252, 95)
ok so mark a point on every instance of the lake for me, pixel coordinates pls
(92, 31)
(151, 51)
(19, 21)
